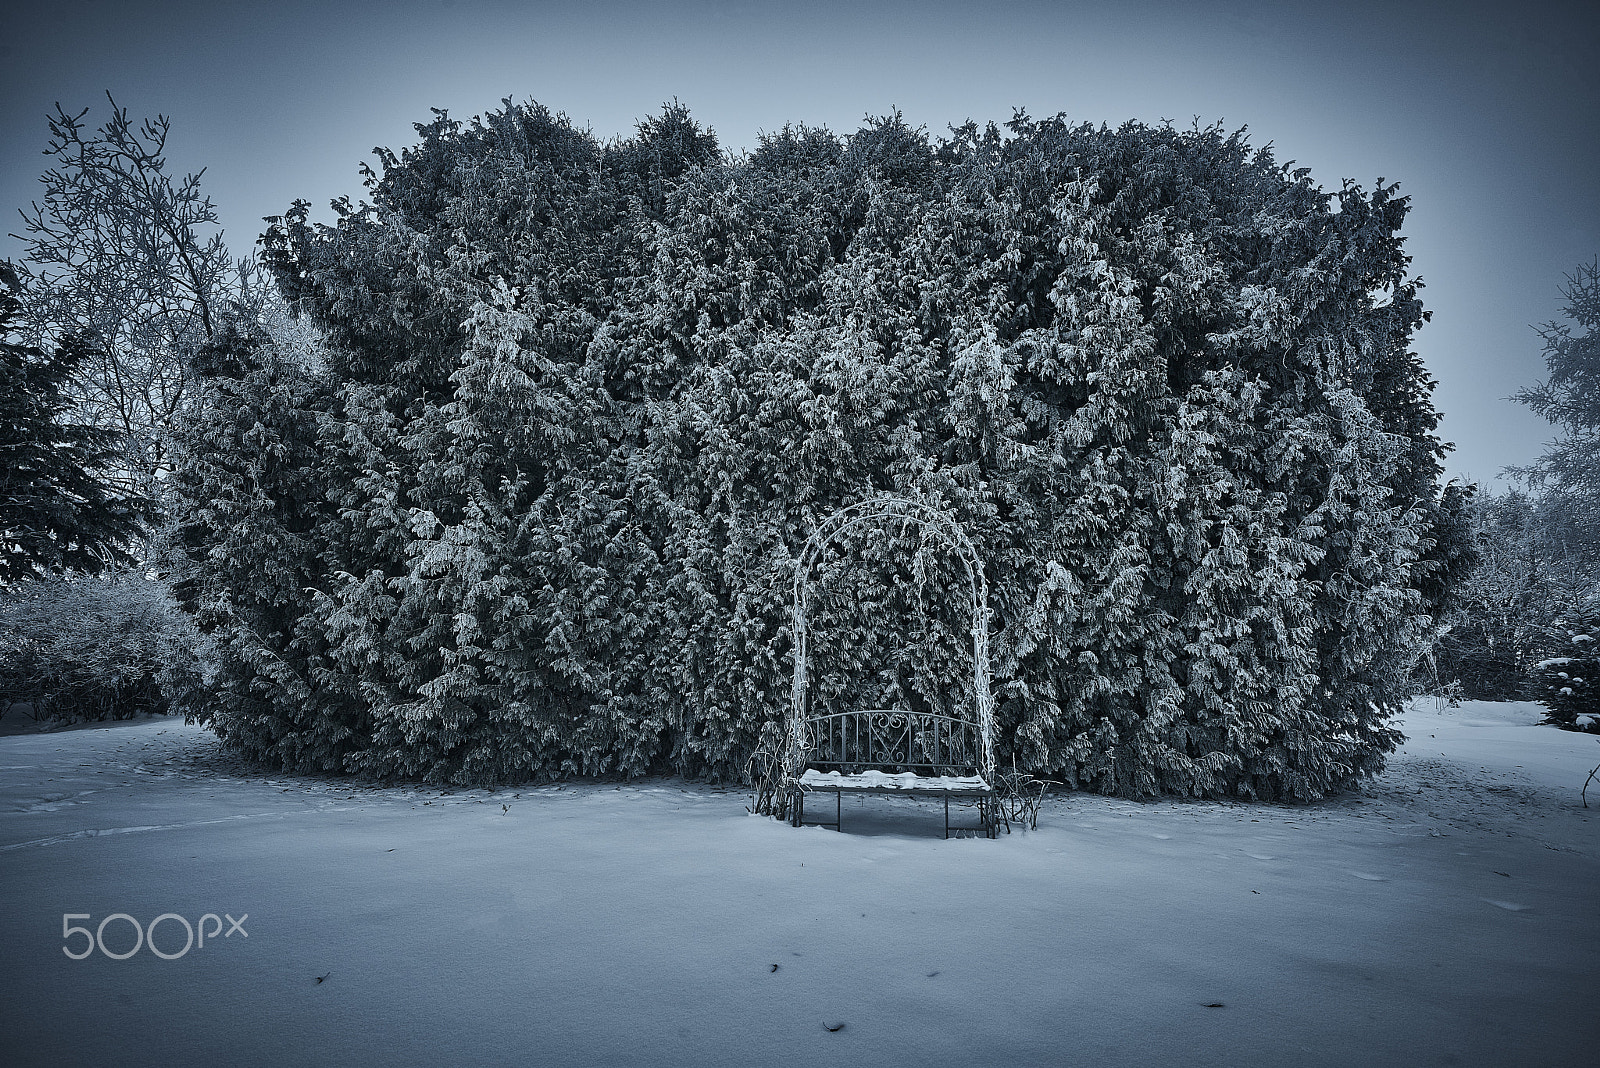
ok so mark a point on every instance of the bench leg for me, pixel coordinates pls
(947, 815)
(798, 813)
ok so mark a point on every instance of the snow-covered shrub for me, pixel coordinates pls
(1499, 624)
(1568, 683)
(537, 509)
(96, 647)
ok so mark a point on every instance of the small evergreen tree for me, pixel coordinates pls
(1568, 682)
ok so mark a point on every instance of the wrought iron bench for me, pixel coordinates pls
(889, 751)
(893, 751)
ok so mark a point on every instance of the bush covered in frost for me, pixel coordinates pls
(1510, 612)
(95, 648)
(536, 511)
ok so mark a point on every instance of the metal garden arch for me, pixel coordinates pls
(882, 510)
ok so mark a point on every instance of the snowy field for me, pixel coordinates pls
(1449, 915)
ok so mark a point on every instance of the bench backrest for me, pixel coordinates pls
(887, 739)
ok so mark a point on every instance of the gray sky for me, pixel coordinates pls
(1488, 114)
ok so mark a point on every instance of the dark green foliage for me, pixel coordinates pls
(57, 510)
(584, 403)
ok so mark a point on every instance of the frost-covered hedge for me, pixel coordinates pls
(95, 648)
(582, 404)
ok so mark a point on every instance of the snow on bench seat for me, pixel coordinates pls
(888, 782)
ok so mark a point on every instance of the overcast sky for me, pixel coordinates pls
(1488, 114)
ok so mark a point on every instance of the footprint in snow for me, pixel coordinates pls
(1509, 906)
(1260, 856)
(1164, 837)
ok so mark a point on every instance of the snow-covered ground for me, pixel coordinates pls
(1449, 915)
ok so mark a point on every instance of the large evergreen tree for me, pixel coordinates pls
(1570, 399)
(1568, 474)
(57, 510)
(584, 403)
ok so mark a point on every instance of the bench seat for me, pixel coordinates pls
(905, 782)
